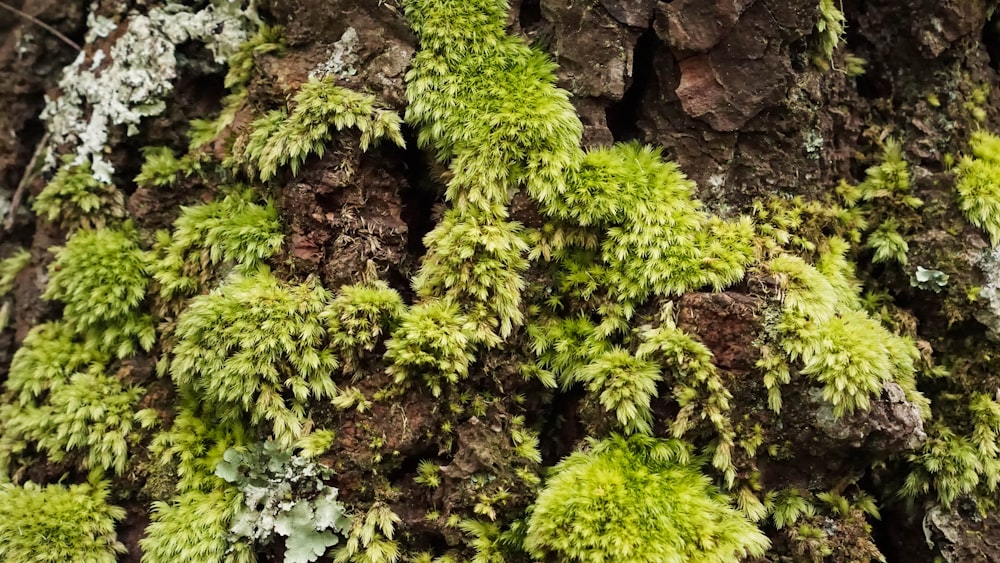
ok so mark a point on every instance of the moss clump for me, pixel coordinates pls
(55, 524)
(830, 28)
(839, 346)
(233, 230)
(255, 349)
(75, 198)
(358, 317)
(433, 343)
(637, 500)
(9, 269)
(321, 107)
(478, 261)
(951, 465)
(977, 180)
(162, 168)
(101, 278)
(195, 527)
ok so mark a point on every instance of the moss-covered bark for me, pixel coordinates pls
(441, 280)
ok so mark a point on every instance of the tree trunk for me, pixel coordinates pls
(383, 219)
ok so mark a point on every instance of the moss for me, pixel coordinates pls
(101, 278)
(9, 269)
(234, 231)
(195, 527)
(977, 181)
(830, 29)
(321, 107)
(54, 524)
(637, 500)
(254, 350)
(74, 198)
(839, 346)
(358, 318)
(433, 343)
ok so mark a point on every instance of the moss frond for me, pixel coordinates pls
(321, 107)
(74, 198)
(10, 268)
(433, 343)
(472, 259)
(256, 347)
(195, 527)
(625, 385)
(101, 278)
(359, 316)
(977, 180)
(698, 388)
(161, 167)
(55, 524)
(234, 230)
(637, 500)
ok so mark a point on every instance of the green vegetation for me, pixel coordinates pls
(953, 465)
(9, 269)
(281, 138)
(101, 278)
(480, 261)
(55, 524)
(254, 350)
(195, 527)
(162, 167)
(357, 319)
(839, 346)
(233, 230)
(74, 198)
(636, 500)
(977, 180)
(433, 343)
(830, 28)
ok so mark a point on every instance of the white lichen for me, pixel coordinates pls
(989, 295)
(343, 57)
(121, 83)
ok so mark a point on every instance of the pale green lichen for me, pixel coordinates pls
(128, 79)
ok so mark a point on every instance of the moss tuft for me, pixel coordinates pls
(55, 524)
(637, 500)
(977, 180)
(255, 348)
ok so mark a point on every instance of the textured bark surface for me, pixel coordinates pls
(728, 88)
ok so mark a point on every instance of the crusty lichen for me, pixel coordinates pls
(128, 79)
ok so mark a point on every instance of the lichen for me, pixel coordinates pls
(128, 79)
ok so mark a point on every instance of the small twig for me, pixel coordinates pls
(42, 25)
(22, 186)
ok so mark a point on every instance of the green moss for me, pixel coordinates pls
(55, 524)
(358, 318)
(269, 39)
(74, 198)
(477, 261)
(162, 167)
(839, 346)
(321, 107)
(829, 28)
(195, 527)
(977, 181)
(101, 278)
(233, 230)
(950, 465)
(10, 268)
(254, 349)
(637, 500)
(433, 343)
(698, 388)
